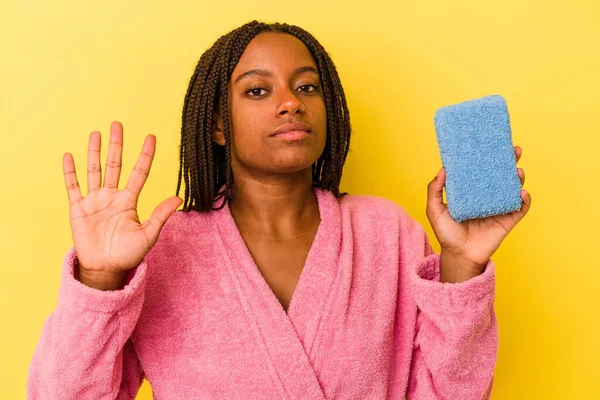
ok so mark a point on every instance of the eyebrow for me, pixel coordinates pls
(264, 72)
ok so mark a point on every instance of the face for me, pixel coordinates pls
(274, 84)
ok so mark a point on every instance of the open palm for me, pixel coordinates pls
(105, 226)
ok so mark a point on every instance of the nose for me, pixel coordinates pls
(290, 104)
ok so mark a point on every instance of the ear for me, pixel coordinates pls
(217, 133)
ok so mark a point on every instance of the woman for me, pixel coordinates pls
(269, 283)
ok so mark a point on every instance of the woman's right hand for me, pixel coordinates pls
(107, 233)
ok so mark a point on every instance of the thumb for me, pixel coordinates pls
(159, 217)
(435, 203)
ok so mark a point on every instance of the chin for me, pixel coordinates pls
(291, 159)
(289, 166)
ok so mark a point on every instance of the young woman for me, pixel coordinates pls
(269, 284)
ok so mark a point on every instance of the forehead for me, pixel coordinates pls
(276, 52)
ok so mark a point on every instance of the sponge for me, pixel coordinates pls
(475, 143)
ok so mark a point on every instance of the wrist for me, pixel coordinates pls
(100, 280)
(456, 269)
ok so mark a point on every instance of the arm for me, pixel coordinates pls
(456, 339)
(84, 351)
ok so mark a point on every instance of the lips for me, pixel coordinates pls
(292, 127)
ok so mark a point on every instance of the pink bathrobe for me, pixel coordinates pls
(369, 318)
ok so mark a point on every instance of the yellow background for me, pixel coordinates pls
(70, 67)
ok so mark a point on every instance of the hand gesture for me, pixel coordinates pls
(467, 246)
(107, 233)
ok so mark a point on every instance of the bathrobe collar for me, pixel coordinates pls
(288, 338)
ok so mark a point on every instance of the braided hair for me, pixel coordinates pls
(206, 166)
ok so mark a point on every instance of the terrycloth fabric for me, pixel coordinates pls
(475, 143)
(369, 318)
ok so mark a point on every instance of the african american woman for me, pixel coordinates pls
(269, 283)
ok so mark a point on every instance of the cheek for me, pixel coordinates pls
(321, 115)
(321, 121)
(247, 130)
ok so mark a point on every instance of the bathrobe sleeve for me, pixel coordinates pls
(456, 340)
(84, 351)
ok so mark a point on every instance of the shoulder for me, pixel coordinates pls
(186, 221)
(183, 228)
(377, 212)
(371, 206)
(182, 238)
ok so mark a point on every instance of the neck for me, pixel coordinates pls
(280, 206)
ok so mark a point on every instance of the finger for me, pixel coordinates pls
(73, 191)
(115, 155)
(159, 217)
(142, 167)
(526, 197)
(518, 153)
(435, 202)
(94, 171)
(521, 174)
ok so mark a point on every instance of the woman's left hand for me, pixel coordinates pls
(467, 246)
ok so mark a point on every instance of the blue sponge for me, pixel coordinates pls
(476, 148)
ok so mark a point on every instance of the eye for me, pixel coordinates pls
(307, 88)
(255, 91)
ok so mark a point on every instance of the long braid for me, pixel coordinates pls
(206, 166)
(223, 79)
(182, 159)
(204, 119)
